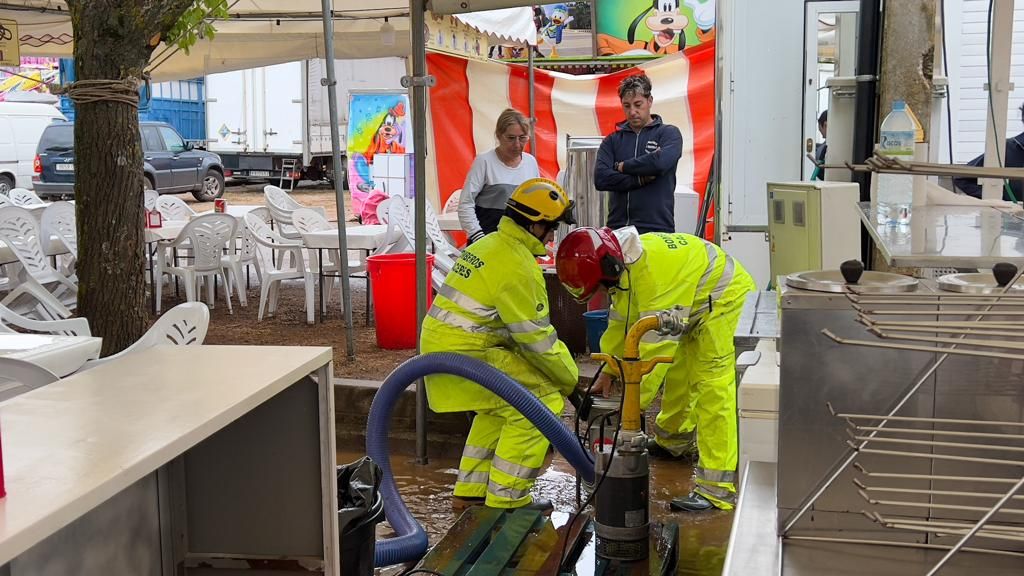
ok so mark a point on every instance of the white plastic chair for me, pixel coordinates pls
(174, 208)
(444, 249)
(208, 235)
(20, 231)
(149, 198)
(274, 268)
(246, 256)
(452, 203)
(281, 206)
(67, 327)
(400, 216)
(23, 197)
(20, 376)
(58, 219)
(183, 325)
(306, 221)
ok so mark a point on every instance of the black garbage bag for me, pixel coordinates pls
(358, 491)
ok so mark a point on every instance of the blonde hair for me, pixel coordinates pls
(510, 117)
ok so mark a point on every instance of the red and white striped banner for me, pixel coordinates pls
(469, 96)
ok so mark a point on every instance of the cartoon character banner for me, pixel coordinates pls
(32, 75)
(447, 34)
(653, 27)
(378, 123)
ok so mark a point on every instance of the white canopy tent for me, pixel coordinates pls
(265, 32)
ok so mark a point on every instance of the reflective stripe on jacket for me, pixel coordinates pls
(494, 306)
(675, 272)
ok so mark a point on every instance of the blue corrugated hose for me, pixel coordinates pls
(411, 542)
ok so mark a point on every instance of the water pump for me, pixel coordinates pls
(622, 473)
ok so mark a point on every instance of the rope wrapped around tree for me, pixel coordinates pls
(125, 91)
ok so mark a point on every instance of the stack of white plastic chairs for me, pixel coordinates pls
(35, 286)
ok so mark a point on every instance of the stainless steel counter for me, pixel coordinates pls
(949, 236)
(755, 548)
(760, 319)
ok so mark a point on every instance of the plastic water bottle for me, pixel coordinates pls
(896, 191)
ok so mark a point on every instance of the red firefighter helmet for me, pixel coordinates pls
(588, 258)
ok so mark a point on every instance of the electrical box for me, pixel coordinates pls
(812, 225)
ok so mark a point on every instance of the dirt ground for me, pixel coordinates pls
(288, 327)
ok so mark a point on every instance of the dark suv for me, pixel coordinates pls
(171, 164)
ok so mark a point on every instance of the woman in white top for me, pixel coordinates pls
(495, 174)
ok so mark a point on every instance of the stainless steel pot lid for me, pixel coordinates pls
(870, 282)
(976, 283)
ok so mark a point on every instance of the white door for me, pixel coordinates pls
(227, 111)
(280, 108)
(830, 49)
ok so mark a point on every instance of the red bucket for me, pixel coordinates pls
(393, 277)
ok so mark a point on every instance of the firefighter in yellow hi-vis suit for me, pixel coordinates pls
(699, 283)
(493, 306)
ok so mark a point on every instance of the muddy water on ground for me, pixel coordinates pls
(427, 492)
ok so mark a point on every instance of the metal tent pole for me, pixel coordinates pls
(417, 87)
(332, 106)
(533, 104)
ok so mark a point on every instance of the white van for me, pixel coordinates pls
(21, 125)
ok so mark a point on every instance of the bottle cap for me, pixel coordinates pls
(899, 105)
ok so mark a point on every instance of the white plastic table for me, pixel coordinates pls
(172, 458)
(237, 210)
(62, 355)
(367, 237)
(449, 222)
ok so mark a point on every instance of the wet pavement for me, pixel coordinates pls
(427, 492)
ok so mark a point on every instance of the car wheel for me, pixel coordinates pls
(6, 184)
(212, 187)
(149, 183)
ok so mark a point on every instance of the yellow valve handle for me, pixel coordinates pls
(632, 371)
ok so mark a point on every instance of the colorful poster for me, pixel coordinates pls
(378, 123)
(653, 27)
(564, 30)
(32, 75)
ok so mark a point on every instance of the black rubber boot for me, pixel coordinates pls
(658, 453)
(542, 504)
(692, 502)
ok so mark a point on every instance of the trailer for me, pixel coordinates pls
(272, 124)
(176, 102)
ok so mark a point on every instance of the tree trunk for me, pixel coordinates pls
(113, 41)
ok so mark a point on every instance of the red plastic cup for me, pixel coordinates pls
(219, 205)
(154, 219)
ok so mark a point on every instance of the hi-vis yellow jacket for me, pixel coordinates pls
(678, 272)
(493, 306)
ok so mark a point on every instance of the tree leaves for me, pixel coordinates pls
(197, 22)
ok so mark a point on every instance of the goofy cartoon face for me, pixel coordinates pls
(388, 138)
(666, 24)
(390, 130)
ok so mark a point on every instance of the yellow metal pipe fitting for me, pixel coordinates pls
(633, 369)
